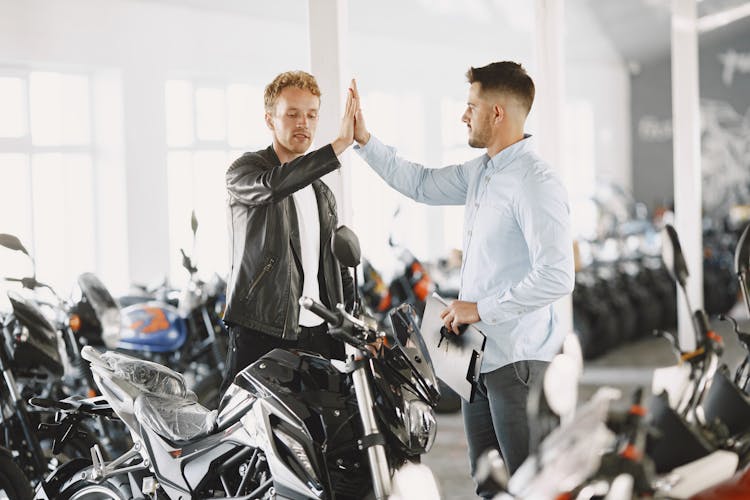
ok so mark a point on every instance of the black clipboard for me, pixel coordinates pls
(457, 359)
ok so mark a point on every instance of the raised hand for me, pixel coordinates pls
(361, 135)
(346, 132)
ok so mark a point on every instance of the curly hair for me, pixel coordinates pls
(298, 79)
(505, 76)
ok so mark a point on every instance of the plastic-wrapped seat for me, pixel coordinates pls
(166, 405)
(177, 419)
(146, 375)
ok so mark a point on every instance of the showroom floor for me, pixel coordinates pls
(627, 367)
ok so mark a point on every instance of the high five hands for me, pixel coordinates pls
(352, 123)
(361, 135)
(346, 131)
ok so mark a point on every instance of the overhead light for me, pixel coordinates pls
(719, 19)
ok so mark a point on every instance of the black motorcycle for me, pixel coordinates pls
(292, 425)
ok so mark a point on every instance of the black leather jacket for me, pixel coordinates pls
(265, 281)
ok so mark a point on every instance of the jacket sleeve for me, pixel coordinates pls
(250, 182)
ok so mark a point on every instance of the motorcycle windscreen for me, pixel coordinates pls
(40, 348)
(105, 309)
(412, 346)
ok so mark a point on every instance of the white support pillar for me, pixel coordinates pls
(328, 25)
(549, 81)
(687, 157)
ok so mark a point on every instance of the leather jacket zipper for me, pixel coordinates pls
(260, 276)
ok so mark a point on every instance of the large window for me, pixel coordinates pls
(208, 126)
(47, 195)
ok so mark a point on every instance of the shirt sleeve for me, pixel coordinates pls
(543, 215)
(432, 186)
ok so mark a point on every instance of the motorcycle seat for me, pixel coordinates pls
(177, 419)
(163, 402)
(149, 377)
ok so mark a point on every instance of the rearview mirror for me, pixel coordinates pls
(561, 385)
(671, 254)
(13, 243)
(572, 348)
(345, 246)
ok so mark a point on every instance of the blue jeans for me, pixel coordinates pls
(497, 418)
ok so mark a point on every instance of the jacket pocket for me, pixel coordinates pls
(256, 282)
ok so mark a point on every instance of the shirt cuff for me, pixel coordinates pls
(485, 309)
(368, 148)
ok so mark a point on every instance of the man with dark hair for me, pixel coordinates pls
(517, 250)
(281, 218)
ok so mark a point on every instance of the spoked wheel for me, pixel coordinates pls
(13, 482)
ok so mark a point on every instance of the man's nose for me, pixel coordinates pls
(302, 121)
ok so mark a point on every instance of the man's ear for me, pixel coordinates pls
(498, 112)
(269, 121)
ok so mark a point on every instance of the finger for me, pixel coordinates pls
(354, 87)
(351, 106)
(444, 313)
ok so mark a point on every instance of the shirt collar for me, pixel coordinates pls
(507, 155)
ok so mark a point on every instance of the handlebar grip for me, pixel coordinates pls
(331, 317)
(701, 322)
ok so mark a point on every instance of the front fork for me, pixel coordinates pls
(372, 438)
(34, 450)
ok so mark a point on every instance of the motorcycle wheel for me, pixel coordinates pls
(13, 482)
(114, 488)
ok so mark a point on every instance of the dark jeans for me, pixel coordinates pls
(497, 418)
(247, 346)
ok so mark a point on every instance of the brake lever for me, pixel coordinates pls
(669, 336)
(744, 337)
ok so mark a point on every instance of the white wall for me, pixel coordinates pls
(407, 48)
(597, 73)
(146, 42)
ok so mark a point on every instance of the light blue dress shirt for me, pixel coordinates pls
(517, 245)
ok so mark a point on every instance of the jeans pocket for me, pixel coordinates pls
(522, 371)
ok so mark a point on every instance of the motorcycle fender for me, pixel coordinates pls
(50, 487)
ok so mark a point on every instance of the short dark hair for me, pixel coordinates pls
(505, 76)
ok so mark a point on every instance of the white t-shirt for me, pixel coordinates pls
(309, 237)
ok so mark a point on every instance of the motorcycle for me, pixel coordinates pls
(13, 482)
(187, 335)
(34, 362)
(412, 286)
(292, 425)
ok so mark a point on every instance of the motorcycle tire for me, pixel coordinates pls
(13, 482)
(113, 488)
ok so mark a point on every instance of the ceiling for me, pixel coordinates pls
(640, 29)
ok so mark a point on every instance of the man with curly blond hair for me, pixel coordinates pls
(281, 218)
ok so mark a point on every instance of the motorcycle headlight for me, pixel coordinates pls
(421, 424)
(110, 320)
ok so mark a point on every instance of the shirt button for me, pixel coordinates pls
(469, 232)
(476, 205)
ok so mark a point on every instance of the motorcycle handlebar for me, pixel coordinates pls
(334, 318)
